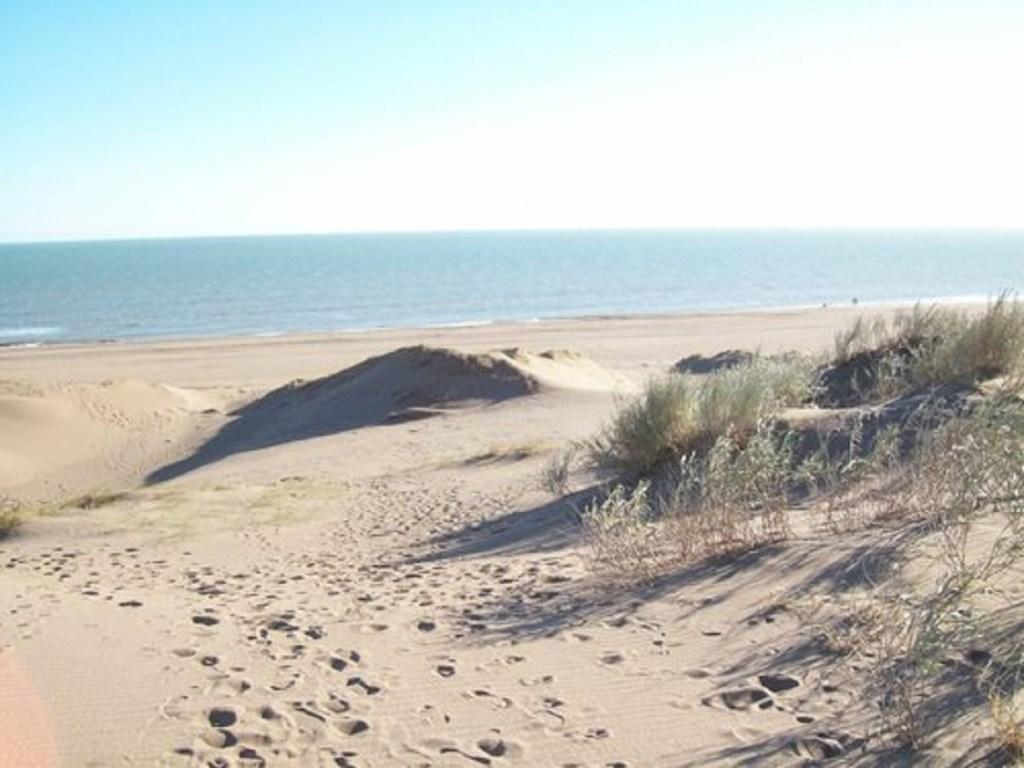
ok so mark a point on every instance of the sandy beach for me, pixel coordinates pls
(223, 565)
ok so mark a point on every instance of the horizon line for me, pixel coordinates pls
(524, 230)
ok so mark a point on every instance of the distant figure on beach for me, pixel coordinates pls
(855, 301)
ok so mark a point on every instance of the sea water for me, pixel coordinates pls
(178, 288)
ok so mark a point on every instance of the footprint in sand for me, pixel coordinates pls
(825, 745)
(741, 699)
(817, 748)
(353, 726)
(222, 717)
(778, 683)
(698, 674)
(336, 704)
(219, 739)
(368, 688)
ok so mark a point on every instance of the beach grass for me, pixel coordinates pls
(676, 415)
(948, 479)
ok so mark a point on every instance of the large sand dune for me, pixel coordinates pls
(408, 384)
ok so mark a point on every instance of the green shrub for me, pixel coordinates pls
(677, 415)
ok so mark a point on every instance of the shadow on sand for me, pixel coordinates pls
(405, 385)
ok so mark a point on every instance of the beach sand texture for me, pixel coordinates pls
(337, 550)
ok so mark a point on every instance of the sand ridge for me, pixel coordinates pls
(62, 438)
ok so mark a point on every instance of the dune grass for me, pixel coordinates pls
(677, 415)
(933, 346)
(706, 469)
(725, 468)
(10, 516)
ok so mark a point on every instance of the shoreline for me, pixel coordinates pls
(965, 302)
(639, 345)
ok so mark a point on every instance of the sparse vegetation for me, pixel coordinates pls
(10, 516)
(508, 452)
(95, 499)
(555, 476)
(946, 472)
(968, 490)
(625, 546)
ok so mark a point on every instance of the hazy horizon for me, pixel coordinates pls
(123, 121)
(951, 230)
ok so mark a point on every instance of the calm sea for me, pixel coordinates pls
(141, 289)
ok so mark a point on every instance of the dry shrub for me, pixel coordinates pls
(731, 499)
(556, 472)
(10, 516)
(1007, 714)
(863, 485)
(624, 543)
(967, 492)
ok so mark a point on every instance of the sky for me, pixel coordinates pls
(147, 119)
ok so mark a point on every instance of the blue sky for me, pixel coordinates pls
(127, 119)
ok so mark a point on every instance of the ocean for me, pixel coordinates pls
(181, 288)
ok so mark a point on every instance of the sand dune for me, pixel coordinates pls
(408, 384)
(394, 385)
(56, 439)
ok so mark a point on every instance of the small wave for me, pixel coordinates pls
(29, 332)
